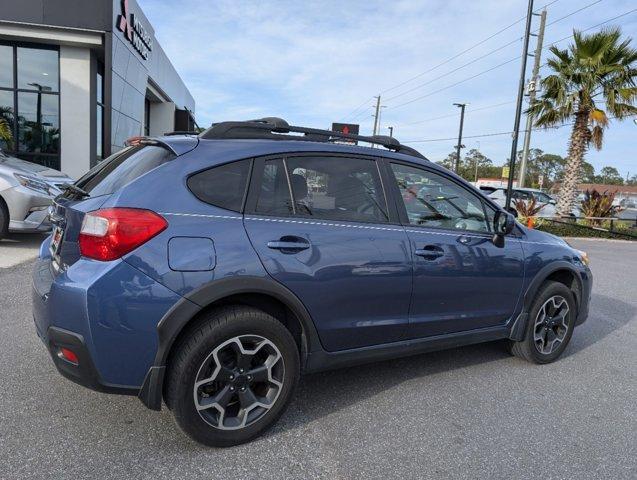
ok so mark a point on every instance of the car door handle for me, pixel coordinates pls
(289, 244)
(430, 252)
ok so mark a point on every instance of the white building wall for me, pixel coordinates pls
(75, 110)
(162, 118)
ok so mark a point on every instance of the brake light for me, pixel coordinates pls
(110, 233)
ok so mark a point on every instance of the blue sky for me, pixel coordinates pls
(315, 62)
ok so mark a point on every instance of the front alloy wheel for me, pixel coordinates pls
(551, 324)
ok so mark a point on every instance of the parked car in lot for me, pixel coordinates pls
(26, 192)
(203, 271)
(498, 194)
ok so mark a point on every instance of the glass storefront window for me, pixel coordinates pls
(30, 107)
(6, 66)
(38, 69)
(38, 123)
(7, 120)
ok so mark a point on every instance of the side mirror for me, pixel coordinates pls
(503, 224)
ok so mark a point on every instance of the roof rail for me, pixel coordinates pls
(274, 128)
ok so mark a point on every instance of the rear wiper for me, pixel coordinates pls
(69, 187)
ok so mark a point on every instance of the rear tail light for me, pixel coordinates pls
(110, 233)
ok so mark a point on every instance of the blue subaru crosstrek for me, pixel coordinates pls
(209, 271)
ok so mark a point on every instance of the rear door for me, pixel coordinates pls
(322, 227)
(462, 281)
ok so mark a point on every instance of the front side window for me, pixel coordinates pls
(337, 188)
(432, 200)
(223, 186)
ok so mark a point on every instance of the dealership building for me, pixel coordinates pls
(79, 77)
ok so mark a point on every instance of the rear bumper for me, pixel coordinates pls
(104, 312)
(84, 372)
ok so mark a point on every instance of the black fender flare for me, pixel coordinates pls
(519, 326)
(180, 314)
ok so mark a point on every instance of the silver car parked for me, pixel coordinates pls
(26, 191)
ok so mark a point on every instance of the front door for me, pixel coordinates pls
(321, 227)
(462, 281)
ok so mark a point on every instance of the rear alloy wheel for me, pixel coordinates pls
(239, 382)
(550, 325)
(232, 375)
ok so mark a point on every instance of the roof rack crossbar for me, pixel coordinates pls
(274, 128)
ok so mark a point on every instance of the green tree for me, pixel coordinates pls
(610, 176)
(597, 69)
(588, 173)
(632, 180)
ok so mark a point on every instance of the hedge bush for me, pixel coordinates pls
(567, 229)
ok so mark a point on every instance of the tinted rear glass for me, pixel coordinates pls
(123, 168)
(223, 186)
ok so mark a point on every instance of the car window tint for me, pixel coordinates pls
(124, 168)
(274, 191)
(433, 200)
(337, 188)
(223, 186)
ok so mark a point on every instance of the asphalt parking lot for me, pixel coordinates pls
(472, 412)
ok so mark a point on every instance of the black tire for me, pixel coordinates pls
(193, 351)
(4, 220)
(528, 349)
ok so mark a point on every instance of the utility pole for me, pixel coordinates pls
(533, 86)
(376, 114)
(459, 146)
(518, 110)
(391, 131)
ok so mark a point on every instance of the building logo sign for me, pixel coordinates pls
(134, 31)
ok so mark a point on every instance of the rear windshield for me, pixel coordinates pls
(122, 168)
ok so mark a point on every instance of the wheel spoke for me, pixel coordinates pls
(247, 398)
(260, 374)
(219, 401)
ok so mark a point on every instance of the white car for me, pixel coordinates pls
(548, 210)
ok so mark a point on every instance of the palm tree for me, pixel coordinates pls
(5, 133)
(595, 71)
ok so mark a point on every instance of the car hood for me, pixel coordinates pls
(15, 165)
(543, 237)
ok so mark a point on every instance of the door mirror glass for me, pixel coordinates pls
(503, 223)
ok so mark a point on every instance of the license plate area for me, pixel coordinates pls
(56, 242)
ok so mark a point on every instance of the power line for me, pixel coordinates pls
(469, 110)
(502, 64)
(502, 47)
(451, 58)
(357, 108)
(536, 129)
(464, 51)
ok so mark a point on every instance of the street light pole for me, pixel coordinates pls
(533, 84)
(459, 146)
(391, 131)
(518, 110)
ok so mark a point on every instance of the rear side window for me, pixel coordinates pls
(223, 186)
(123, 168)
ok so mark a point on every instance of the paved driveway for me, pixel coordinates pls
(471, 412)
